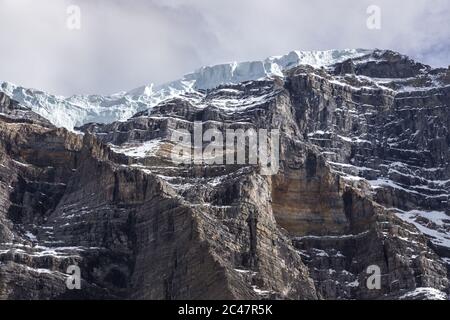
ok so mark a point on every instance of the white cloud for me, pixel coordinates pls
(124, 44)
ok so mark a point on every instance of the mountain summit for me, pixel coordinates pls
(79, 110)
(362, 187)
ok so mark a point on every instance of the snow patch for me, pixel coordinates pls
(145, 149)
(431, 223)
(428, 293)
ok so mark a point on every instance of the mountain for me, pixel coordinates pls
(78, 110)
(363, 182)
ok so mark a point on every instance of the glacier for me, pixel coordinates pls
(77, 110)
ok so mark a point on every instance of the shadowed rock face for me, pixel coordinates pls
(364, 180)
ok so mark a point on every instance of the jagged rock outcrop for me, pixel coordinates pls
(363, 180)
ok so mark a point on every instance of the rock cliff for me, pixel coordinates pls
(363, 180)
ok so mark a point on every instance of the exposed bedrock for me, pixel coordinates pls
(363, 183)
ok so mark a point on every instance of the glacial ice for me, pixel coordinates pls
(77, 110)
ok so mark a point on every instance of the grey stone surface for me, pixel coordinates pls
(363, 143)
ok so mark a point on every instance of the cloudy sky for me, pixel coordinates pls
(123, 44)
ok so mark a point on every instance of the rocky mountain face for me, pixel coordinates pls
(363, 183)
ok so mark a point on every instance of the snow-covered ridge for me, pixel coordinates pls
(211, 77)
(81, 109)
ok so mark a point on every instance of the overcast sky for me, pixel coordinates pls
(124, 44)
